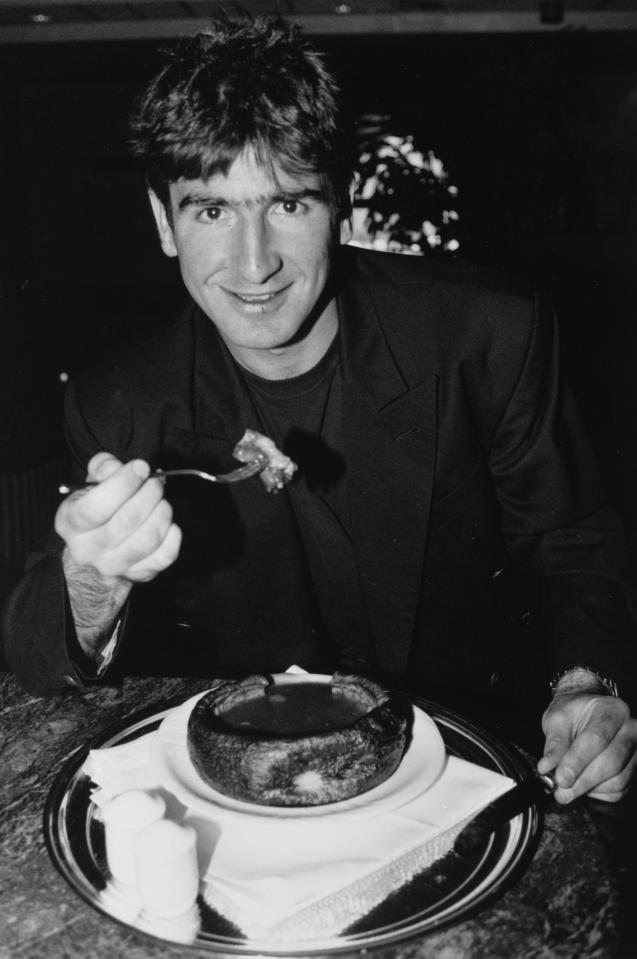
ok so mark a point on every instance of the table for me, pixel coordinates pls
(565, 906)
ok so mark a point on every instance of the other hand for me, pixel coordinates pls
(122, 528)
(591, 744)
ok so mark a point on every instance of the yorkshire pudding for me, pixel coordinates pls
(296, 741)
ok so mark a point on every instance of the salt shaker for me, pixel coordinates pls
(166, 868)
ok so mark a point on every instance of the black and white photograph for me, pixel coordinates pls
(318, 479)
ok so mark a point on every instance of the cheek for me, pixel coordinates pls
(198, 261)
(314, 260)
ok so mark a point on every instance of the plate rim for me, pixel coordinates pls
(508, 758)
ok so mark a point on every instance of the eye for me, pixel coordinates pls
(290, 208)
(212, 214)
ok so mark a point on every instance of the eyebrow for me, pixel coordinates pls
(207, 199)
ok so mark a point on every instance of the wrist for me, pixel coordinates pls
(95, 602)
(582, 678)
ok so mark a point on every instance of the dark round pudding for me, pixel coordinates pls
(296, 743)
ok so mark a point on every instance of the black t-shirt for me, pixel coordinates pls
(303, 417)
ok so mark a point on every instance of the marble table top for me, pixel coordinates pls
(564, 906)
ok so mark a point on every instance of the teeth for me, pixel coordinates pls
(255, 297)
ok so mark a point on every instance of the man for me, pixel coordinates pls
(440, 457)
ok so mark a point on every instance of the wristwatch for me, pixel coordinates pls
(609, 684)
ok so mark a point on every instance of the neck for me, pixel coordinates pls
(294, 358)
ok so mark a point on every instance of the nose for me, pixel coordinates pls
(256, 255)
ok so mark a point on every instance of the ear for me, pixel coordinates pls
(346, 223)
(346, 230)
(164, 229)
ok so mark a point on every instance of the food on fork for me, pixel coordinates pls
(301, 742)
(280, 468)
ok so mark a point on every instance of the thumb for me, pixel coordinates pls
(557, 731)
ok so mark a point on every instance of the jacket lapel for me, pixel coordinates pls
(387, 421)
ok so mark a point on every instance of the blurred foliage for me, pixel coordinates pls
(403, 199)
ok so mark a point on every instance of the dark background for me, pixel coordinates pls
(539, 132)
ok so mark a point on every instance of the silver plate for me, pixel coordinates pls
(488, 856)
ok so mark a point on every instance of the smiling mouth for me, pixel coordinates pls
(257, 299)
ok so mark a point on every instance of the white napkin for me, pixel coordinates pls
(116, 769)
(289, 881)
(299, 879)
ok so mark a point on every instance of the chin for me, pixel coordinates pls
(270, 339)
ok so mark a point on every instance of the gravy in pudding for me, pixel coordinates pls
(295, 708)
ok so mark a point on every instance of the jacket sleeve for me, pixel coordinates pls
(39, 637)
(556, 523)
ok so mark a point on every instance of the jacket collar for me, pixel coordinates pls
(389, 428)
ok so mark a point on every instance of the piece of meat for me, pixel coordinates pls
(280, 468)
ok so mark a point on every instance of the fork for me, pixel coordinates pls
(257, 465)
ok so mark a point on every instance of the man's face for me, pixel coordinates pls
(255, 253)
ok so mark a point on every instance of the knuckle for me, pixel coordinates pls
(613, 710)
(623, 711)
(622, 750)
(554, 741)
(596, 740)
(157, 487)
(128, 518)
(68, 515)
(611, 790)
(109, 567)
(168, 549)
(175, 542)
(84, 513)
(164, 512)
(143, 574)
(98, 460)
(158, 559)
(146, 507)
(149, 538)
(102, 465)
(87, 553)
(609, 706)
(155, 540)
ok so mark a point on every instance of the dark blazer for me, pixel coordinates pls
(468, 473)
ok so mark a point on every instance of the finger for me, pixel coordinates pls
(92, 509)
(590, 784)
(556, 746)
(578, 762)
(602, 793)
(614, 788)
(101, 466)
(609, 771)
(608, 796)
(146, 508)
(604, 718)
(117, 559)
(163, 557)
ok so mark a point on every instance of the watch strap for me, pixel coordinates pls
(609, 684)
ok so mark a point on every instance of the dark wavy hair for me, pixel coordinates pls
(246, 82)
